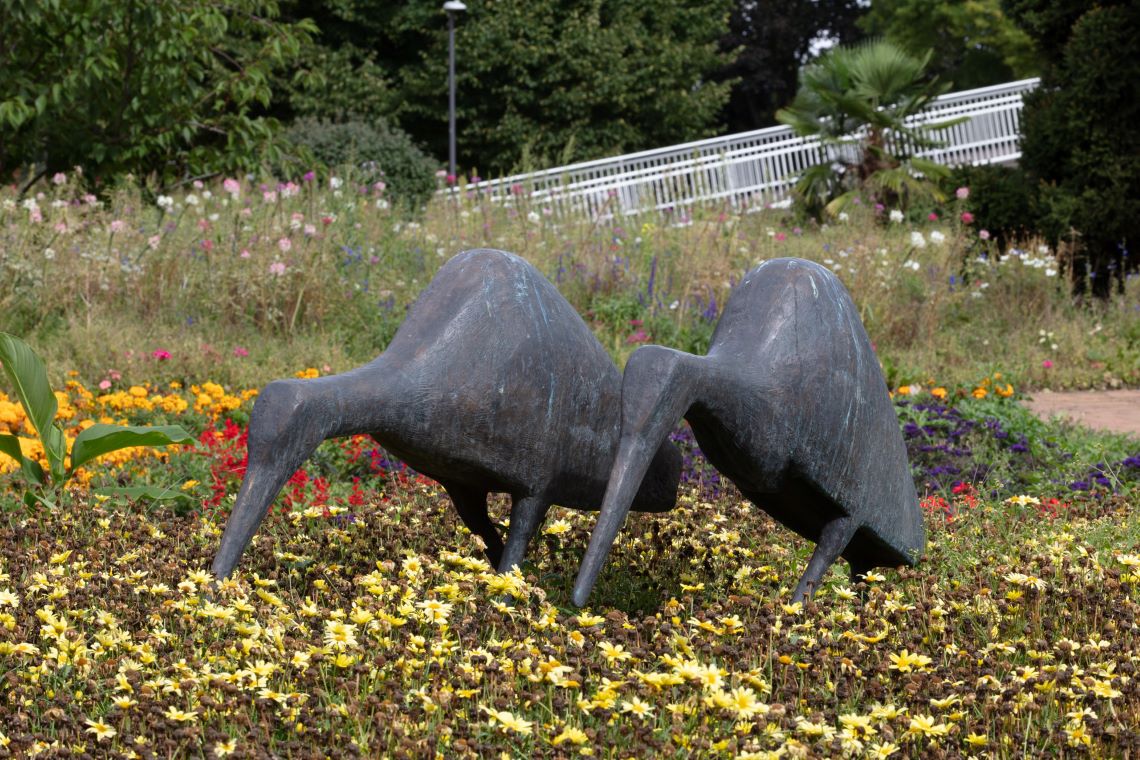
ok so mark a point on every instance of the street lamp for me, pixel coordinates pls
(451, 7)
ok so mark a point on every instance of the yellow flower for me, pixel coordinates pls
(980, 392)
(556, 527)
(905, 661)
(636, 707)
(182, 716)
(508, 721)
(101, 730)
(925, 725)
(586, 620)
(614, 652)
(221, 749)
(340, 635)
(570, 734)
(938, 393)
(976, 740)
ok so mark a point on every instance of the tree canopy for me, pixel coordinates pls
(769, 41)
(972, 42)
(167, 88)
(1081, 130)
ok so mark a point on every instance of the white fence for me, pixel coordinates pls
(752, 168)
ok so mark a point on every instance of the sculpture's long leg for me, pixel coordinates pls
(471, 504)
(527, 514)
(832, 541)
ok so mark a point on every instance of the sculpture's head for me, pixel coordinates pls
(658, 386)
(285, 427)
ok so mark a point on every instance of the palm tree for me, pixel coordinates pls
(857, 101)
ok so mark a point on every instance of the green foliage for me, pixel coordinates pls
(769, 41)
(856, 101)
(164, 88)
(608, 77)
(376, 152)
(28, 377)
(347, 83)
(1081, 132)
(1002, 200)
(973, 42)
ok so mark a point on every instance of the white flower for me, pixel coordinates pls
(896, 215)
(937, 237)
(191, 200)
(1050, 272)
(335, 182)
(843, 217)
(917, 240)
(913, 265)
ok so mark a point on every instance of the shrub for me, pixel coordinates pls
(1002, 200)
(1081, 133)
(377, 151)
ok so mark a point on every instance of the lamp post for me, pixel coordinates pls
(451, 7)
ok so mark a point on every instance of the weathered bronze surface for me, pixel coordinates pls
(790, 404)
(492, 383)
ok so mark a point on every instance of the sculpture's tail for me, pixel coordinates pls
(656, 393)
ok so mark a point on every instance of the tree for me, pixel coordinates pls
(974, 43)
(556, 81)
(769, 41)
(866, 92)
(1081, 131)
(166, 88)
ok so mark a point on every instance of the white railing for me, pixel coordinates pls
(752, 168)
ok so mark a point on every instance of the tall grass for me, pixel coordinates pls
(242, 281)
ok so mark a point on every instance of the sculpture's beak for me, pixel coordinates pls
(257, 492)
(652, 403)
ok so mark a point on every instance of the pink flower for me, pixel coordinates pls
(36, 214)
(638, 337)
(198, 184)
(379, 187)
(58, 178)
(1047, 364)
(208, 245)
(153, 242)
(231, 186)
(309, 176)
(104, 385)
(269, 196)
(310, 229)
(245, 254)
(984, 234)
(240, 352)
(285, 244)
(115, 374)
(967, 217)
(781, 237)
(161, 354)
(932, 216)
(962, 193)
(277, 268)
(451, 179)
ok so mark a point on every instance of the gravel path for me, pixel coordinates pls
(1118, 411)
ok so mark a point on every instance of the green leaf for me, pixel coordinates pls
(10, 445)
(28, 375)
(154, 493)
(102, 439)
